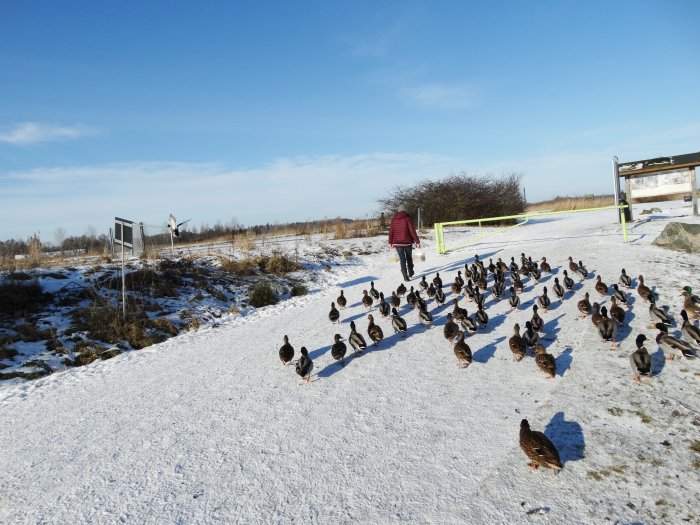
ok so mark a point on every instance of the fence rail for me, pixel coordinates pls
(440, 226)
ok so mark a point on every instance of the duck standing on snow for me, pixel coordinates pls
(468, 324)
(544, 265)
(517, 344)
(657, 315)
(420, 302)
(423, 283)
(607, 328)
(572, 265)
(458, 313)
(640, 360)
(481, 316)
(462, 351)
(514, 299)
(431, 291)
(689, 306)
(558, 289)
(672, 346)
(620, 295)
(338, 350)
(286, 351)
(582, 270)
(439, 296)
(690, 332)
(437, 281)
(584, 307)
(341, 300)
(545, 361)
(305, 365)
(596, 316)
(694, 299)
(536, 321)
(625, 280)
(398, 322)
(374, 331)
(367, 299)
(531, 337)
(538, 448)
(395, 300)
(401, 290)
(459, 279)
(424, 316)
(600, 286)
(384, 308)
(616, 312)
(411, 298)
(456, 287)
(373, 291)
(644, 291)
(568, 281)
(450, 329)
(357, 341)
(543, 300)
(334, 314)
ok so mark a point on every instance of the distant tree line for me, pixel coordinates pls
(459, 197)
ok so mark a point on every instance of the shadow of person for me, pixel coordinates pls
(567, 436)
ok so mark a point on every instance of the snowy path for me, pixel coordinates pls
(209, 427)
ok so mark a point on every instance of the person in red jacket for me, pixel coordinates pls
(402, 236)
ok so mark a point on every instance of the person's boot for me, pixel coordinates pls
(405, 276)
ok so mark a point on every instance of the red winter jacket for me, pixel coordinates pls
(401, 231)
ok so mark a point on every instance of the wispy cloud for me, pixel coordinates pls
(288, 189)
(33, 132)
(442, 96)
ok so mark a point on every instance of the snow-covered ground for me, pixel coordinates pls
(209, 427)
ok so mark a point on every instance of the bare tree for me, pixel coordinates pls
(60, 235)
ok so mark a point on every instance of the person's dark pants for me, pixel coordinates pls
(406, 259)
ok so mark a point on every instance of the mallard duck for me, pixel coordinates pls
(568, 281)
(373, 291)
(456, 287)
(437, 281)
(672, 346)
(423, 283)
(572, 265)
(411, 298)
(481, 283)
(558, 289)
(341, 300)
(536, 274)
(543, 300)
(398, 323)
(450, 329)
(439, 296)
(420, 303)
(518, 285)
(481, 316)
(468, 324)
(286, 351)
(384, 308)
(395, 300)
(694, 299)
(644, 291)
(431, 291)
(582, 270)
(338, 349)
(401, 290)
(545, 361)
(457, 311)
(500, 265)
(689, 307)
(600, 286)
(517, 344)
(531, 337)
(537, 321)
(459, 279)
(425, 317)
(657, 315)
(544, 265)
(584, 306)
(616, 312)
(513, 266)
(305, 365)
(607, 328)
(478, 296)
(625, 280)
(374, 331)
(514, 299)
(690, 332)
(468, 290)
(462, 351)
(334, 314)
(491, 266)
(640, 360)
(538, 448)
(596, 316)
(499, 286)
(468, 273)
(367, 299)
(357, 341)
(620, 295)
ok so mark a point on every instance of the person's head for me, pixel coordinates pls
(402, 207)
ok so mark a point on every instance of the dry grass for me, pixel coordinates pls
(572, 203)
(20, 297)
(244, 243)
(240, 267)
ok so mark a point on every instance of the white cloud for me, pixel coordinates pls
(33, 132)
(440, 96)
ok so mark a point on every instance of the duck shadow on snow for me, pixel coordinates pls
(315, 354)
(550, 328)
(359, 280)
(482, 355)
(454, 266)
(567, 437)
(360, 315)
(337, 366)
(658, 362)
(563, 361)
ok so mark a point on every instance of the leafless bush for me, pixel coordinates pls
(459, 197)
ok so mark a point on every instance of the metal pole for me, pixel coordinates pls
(616, 186)
(694, 190)
(123, 277)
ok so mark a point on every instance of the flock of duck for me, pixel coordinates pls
(475, 281)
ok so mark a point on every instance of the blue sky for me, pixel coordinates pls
(280, 111)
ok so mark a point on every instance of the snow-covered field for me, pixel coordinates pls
(209, 427)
